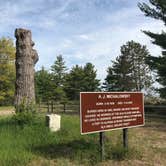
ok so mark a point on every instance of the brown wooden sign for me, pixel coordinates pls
(102, 111)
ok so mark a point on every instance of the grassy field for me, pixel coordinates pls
(35, 145)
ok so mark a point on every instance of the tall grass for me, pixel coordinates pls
(19, 145)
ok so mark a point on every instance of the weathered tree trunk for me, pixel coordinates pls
(26, 58)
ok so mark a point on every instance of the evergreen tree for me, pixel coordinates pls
(74, 82)
(7, 71)
(119, 75)
(58, 74)
(43, 85)
(157, 10)
(59, 71)
(91, 83)
(129, 72)
(140, 71)
(81, 79)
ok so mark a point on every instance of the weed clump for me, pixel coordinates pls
(24, 118)
(25, 114)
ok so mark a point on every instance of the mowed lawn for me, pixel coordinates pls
(34, 144)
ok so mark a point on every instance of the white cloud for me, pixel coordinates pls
(84, 36)
(79, 30)
(104, 47)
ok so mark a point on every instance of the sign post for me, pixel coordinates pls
(105, 111)
(101, 140)
(125, 138)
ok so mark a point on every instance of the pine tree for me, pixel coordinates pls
(140, 71)
(58, 79)
(91, 83)
(74, 82)
(157, 10)
(119, 75)
(59, 71)
(43, 85)
(81, 79)
(129, 72)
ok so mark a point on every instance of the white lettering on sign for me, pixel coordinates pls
(107, 111)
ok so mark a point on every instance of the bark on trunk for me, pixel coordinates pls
(26, 58)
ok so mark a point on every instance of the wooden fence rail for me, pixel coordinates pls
(74, 107)
(58, 107)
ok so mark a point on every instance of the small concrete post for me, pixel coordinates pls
(53, 121)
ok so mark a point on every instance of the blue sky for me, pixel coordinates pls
(81, 30)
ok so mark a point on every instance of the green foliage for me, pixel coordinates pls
(43, 85)
(91, 83)
(19, 146)
(16, 142)
(50, 85)
(58, 85)
(26, 107)
(81, 79)
(24, 118)
(7, 71)
(59, 71)
(74, 82)
(25, 114)
(118, 77)
(157, 10)
(129, 72)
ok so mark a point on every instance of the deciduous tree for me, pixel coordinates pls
(7, 71)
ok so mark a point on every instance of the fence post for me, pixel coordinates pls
(39, 106)
(48, 108)
(52, 106)
(64, 107)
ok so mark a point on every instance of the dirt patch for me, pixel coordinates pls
(7, 112)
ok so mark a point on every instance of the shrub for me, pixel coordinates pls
(26, 107)
(25, 114)
(24, 118)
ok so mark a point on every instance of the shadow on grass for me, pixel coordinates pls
(6, 121)
(86, 153)
(78, 151)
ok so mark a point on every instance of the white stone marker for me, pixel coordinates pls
(53, 121)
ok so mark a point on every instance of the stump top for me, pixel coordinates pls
(21, 31)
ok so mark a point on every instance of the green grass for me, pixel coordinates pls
(35, 145)
(21, 145)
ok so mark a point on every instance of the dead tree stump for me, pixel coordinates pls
(26, 58)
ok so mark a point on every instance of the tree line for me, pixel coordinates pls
(59, 85)
(133, 70)
(129, 72)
